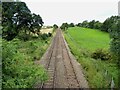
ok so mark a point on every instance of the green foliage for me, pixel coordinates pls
(101, 54)
(115, 38)
(64, 26)
(92, 24)
(85, 24)
(83, 42)
(49, 34)
(16, 17)
(23, 36)
(55, 26)
(79, 25)
(71, 25)
(36, 23)
(13, 14)
(107, 24)
(44, 36)
(18, 68)
(98, 25)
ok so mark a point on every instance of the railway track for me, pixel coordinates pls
(64, 71)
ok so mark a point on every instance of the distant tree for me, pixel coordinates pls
(97, 25)
(49, 26)
(64, 26)
(85, 24)
(55, 26)
(71, 25)
(91, 24)
(79, 25)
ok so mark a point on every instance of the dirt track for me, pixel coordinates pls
(64, 71)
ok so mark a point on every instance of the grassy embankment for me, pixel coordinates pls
(18, 57)
(83, 42)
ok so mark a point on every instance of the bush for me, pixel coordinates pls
(49, 34)
(23, 36)
(44, 36)
(17, 70)
(101, 54)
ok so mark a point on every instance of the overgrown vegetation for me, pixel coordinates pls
(91, 49)
(101, 54)
(115, 44)
(22, 45)
(19, 69)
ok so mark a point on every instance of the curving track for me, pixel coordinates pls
(64, 71)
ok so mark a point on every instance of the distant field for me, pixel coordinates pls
(82, 43)
(47, 30)
(89, 38)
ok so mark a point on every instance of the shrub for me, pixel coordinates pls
(23, 36)
(49, 34)
(17, 70)
(44, 36)
(101, 54)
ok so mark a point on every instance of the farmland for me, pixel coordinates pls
(83, 42)
(38, 52)
(47, 30)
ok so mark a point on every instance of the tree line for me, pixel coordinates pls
(16, 18)
(105, 26)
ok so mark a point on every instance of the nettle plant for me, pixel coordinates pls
(115, 38)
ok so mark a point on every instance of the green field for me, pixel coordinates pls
(89, 38)
(83, 42)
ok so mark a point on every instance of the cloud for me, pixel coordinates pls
(59, 12)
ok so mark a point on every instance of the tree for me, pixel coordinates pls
(97, 25)
(17, 17)
(36, 23)
(91, 24)
(84, 23)
(55, 26)
(13, 18)
(64, 26)
(115, 39)
(79, 25)
(71, 25)
(107, 24)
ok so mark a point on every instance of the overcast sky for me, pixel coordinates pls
(59, 11)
